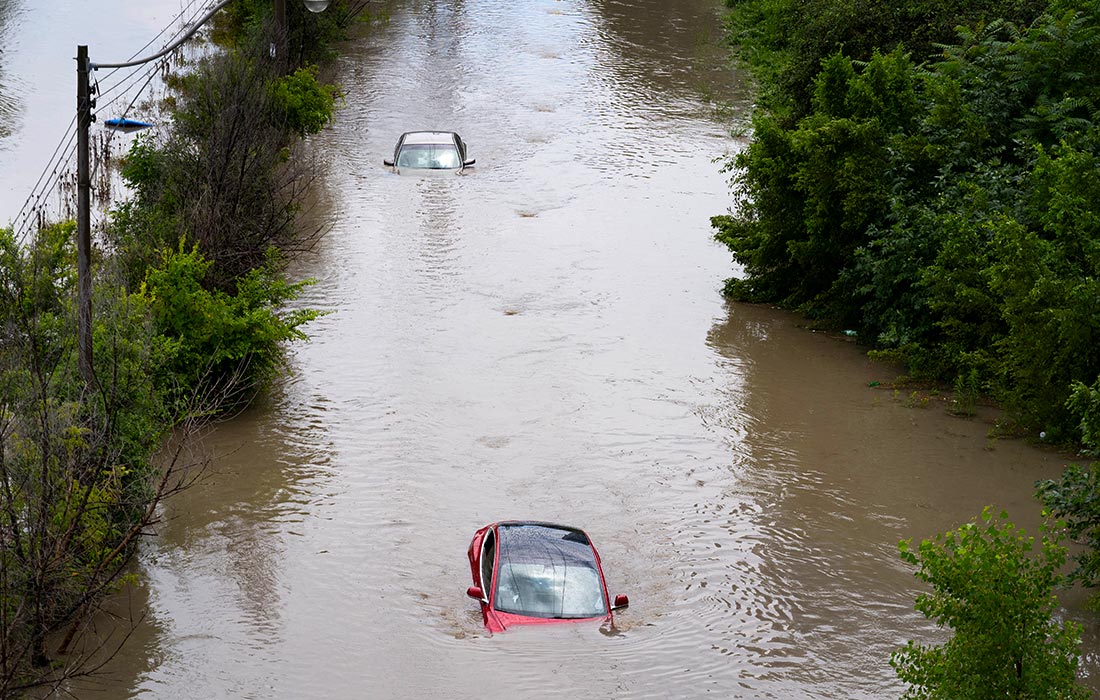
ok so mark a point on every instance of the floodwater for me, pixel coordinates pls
(544, 338)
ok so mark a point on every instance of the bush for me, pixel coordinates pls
(221, 178)
(945, 210)
(304, 104)
(1074, 499)
(76, 462)
(787, 42)
(211, 339)
(997, 598)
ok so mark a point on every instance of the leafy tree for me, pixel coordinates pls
(1084, 404)
(305, 103)
(220, 178)
(995, 593)
(78, 479)
(787, 41)
(808, 196)
(311, 36)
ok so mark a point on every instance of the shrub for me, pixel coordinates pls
(997, 598)
(213, 339)
(304, 104)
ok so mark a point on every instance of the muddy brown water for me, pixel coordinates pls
(544, 338)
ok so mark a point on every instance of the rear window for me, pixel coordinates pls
(547, 572)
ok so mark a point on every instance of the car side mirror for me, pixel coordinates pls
(475, 593)
(388, 162)
(621, 601)
(468, 163)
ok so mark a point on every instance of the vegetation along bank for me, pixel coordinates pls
(190, 319)
(926, 173)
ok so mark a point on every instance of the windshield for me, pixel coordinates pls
(431, 156)
(547, 572)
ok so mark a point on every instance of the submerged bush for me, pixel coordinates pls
(304, 103)
(214, 339)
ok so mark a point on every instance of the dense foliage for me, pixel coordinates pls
(786, 41)
(996, 594)
(944, 207)
(211, 340)
(311, 37)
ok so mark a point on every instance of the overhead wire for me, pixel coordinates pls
(37, 192)
(183, 27)
(147, 71)
(159, 34)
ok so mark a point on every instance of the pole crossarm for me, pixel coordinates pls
(167, 49)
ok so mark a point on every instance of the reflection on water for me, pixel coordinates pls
(543, 339)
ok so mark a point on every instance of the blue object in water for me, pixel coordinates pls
(126, 125)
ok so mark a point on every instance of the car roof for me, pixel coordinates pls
(438, 137)
(544, 543)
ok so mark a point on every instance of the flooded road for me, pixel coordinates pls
(544, 338)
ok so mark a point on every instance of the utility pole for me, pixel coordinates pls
(84, 104)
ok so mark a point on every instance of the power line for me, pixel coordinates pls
(149, 43)
(183, 26)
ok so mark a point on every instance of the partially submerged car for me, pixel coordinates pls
(429, 150)
(528, 572)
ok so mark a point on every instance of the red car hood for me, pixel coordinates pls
(497, 621)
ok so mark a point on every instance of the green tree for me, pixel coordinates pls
(996, 593)
(305, 103)
(213, 340)
(80, 475)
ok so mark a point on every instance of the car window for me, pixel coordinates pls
(429, 156)
(446, 157)
(539, 590)
(488, 558)
(547, 572)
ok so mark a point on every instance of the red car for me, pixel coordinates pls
(532, 573)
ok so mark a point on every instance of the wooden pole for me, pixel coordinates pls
(83, 218)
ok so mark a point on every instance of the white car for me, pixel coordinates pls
(429, 150)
